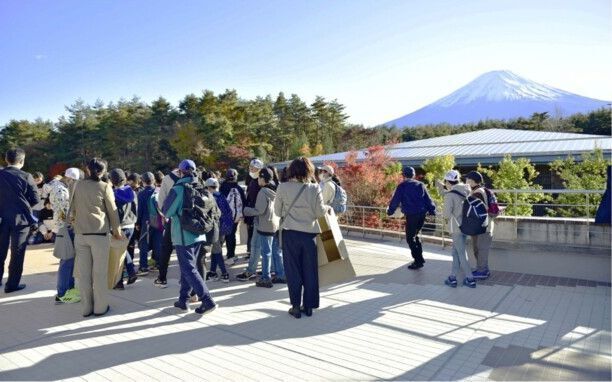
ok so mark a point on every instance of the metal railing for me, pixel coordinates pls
(374, 220)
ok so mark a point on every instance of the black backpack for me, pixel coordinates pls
(200, 214)
(474, 215)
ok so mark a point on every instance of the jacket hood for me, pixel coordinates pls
(270, 193)
(464, 189)
(124, 194)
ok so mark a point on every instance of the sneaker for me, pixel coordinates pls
(415, 266)
(481, 275)
(235, 260)
(160, 283)
(246, 276)
(264, 283)
(142, 272)
(151, 263)
(278, 280)
(225, 278)
(71, 296)
(211, 275)
(469, 282)
(181, 305)
(132, 280)
(204, 309)
(451, 281)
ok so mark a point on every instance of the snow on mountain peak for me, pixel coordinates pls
(501, 85)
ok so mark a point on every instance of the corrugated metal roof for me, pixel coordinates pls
(492, 142)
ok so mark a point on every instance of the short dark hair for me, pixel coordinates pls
(117, 177)
(148, 178)
(159, 176)
(134, 177)
(97, 169)
(266, 174)
(14, 156)
(301, 169)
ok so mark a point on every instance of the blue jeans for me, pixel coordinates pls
(65, 280)
(266, 253)
(277, 258)
(190, 278)
(460, 257)
(255, 251)
(129, 264)
(150, 240)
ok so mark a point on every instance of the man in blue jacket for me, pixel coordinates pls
(416, 203)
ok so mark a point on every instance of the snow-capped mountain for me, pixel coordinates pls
(498, 95)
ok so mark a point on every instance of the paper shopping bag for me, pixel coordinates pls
(115, 260)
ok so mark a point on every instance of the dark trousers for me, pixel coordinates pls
(230, 241)
(250, 236)
(414, 224)
(301, 267)
(17, 236)
(166, 251)
(132, 243)
(190, 278)
(201, 259)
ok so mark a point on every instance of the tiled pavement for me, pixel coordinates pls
(386, 323)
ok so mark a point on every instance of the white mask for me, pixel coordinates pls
(254, 175)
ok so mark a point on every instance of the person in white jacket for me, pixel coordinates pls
(328, 186)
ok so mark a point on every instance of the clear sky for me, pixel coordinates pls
(381, 58)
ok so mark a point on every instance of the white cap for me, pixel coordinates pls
(257, 163)
(73, 173)
(452, 176)
(212, 182)
(328, 168)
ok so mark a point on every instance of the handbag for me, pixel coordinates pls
(64, 247)
(282, 219)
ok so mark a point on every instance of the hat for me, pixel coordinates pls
(117, 176)
(211, 182)
(408, 172)
(73, 173)
(231, 174)
(475, 176)
(187, 165)
(328, 168)
(148, 177)
(257, 164)
(266, 174)
(452, 176)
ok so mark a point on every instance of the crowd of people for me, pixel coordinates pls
(195, 212)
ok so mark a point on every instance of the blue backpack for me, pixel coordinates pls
(340, 200)
(226, 222)
(475, 218)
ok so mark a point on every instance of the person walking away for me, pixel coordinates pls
(299, 204)
(481, 244)
(267, 226)
(125, 200)
(455, 195)
(18, 194)
(226, 225)
(236, 199)
(166, 247)
(94, 214)
(415, 204)
(143, 222)
(251, 197)
(187, 243)
(59, 196)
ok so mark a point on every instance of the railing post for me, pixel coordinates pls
(516, 216)
(588, 218)
(380, 217)
(363, 221)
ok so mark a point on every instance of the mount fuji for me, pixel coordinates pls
(498, 95)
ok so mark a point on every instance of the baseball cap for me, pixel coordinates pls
(408, 172)
(73, 173)
(475, 176)
(452, 176)
(187, 165)
(231, 174)
(257, 163)
(328, 168)
(211, 182)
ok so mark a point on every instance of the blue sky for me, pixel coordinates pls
(381, 58)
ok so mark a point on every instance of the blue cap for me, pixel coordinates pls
(187, 165)
(408, 172)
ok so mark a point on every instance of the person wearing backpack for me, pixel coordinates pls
(251, 196)
(454, 198)
(482, 243)
(415, 203)
(331, 189)
(127, 207)
(236, 199)
(226, 225)
(188, 211)
(167, 183)
(267, 226)
(143, 222)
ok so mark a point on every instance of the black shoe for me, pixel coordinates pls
(306, 311)
(102, 314)
(278, 280)
(18, 288)
(181, 305)
(88, 315)
(132, 279)
(264, 283)
(414, 266)
(119, 285)
(295, 312)
(206, 308)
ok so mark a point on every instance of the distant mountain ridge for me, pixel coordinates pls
(498, 95)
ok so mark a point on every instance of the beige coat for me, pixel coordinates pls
(93, 209)
(307, 209)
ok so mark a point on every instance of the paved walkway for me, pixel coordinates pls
(385, 323)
